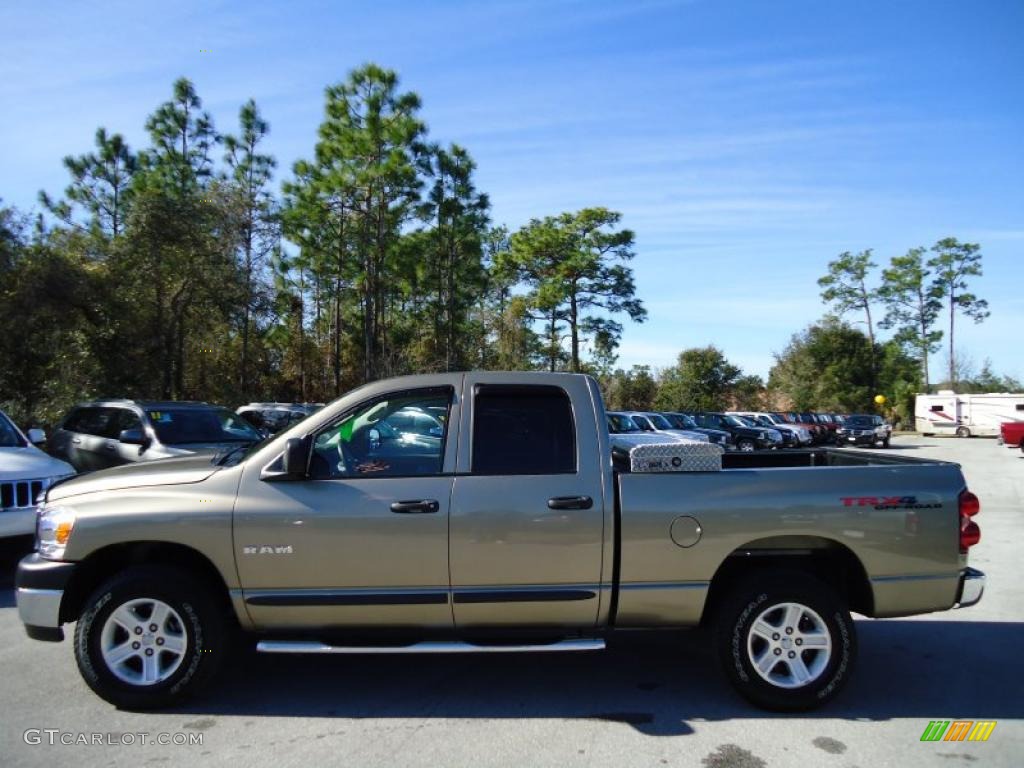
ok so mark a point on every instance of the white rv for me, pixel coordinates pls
(948, 413)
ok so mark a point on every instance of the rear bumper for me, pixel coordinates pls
(972, 586)
(39, 590)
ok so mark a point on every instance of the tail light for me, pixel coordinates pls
(970, 533)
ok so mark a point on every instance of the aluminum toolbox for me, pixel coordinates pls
(676, 456)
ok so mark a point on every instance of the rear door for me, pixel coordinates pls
(86, 438)
(527, 524)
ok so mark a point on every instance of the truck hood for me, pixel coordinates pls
(29, 463)
(189, 469)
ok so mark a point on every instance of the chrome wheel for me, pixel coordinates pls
(789, 645)
(746, 445)
(143, 642)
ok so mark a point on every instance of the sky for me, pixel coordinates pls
(745, 143)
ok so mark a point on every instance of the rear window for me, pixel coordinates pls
(523, 430)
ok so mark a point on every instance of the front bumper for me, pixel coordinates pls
(17, 522)
(39, 591)
(972, 586)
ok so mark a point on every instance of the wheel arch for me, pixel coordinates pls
(827, 559)
(107, 561)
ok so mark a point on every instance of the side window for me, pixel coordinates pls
(90, 421)
(523, 430)
(125, 419)
(937, 409)
(364, 443)
(1019, 407)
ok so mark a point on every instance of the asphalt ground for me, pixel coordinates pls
(650, 700)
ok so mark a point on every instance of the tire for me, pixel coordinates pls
(183, 652)
(745, 445)
(1022, 446)
(963, 432)
(765, 602)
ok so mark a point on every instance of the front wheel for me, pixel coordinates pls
(963, 432)
(786, 640)
(149, 637)
(746, 445)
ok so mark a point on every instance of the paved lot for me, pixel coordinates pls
(657, 701)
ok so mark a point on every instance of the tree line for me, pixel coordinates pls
(183, 270)
(180, 271)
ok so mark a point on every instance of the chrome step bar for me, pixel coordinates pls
(433, 646)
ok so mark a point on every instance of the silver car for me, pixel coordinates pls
(107, 433)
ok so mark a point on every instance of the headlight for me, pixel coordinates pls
(53, 530)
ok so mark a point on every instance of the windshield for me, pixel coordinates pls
(619, 424)
(9, 437)
(746, 421)
(181, 426)
(659, 421)
(859, 421)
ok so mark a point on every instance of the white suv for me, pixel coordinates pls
(25, 471)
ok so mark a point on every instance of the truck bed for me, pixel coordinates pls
(897, 516)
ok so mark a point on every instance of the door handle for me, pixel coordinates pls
(110, 447)
(76, 441)
(570, 502)
(424, 506)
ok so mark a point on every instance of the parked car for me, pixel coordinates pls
(801, 435)
(818, 432)
(271, 418)
(1012, 433)
(512, 532)
(655, 422)
(25, 472)
(827, 421)
(864, 429)
(624, 435)
(106, 433)
(786, 436)
(746, 438)
(717, 436)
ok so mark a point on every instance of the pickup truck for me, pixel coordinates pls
(513, 530)
(1012, 433)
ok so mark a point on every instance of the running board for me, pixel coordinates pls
(303, 646)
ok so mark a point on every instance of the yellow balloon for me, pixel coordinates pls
(880, 399)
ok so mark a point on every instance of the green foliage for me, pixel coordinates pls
(176, 282)
(845, 288)
(575, 267)
(952, 264)
(828, 367)
(633, 390)
(913, 304)
(701, 380)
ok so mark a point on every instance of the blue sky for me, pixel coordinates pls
(745, 143)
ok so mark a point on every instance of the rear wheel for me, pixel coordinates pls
(786, 640)
(149, 637)
(963, 432)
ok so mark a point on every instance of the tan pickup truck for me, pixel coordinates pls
(490, 512)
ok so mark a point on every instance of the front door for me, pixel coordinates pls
(528, 512)
(364, 540)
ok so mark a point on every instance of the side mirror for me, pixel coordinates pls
(36, 436)
(132, 437)
(296, 458)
